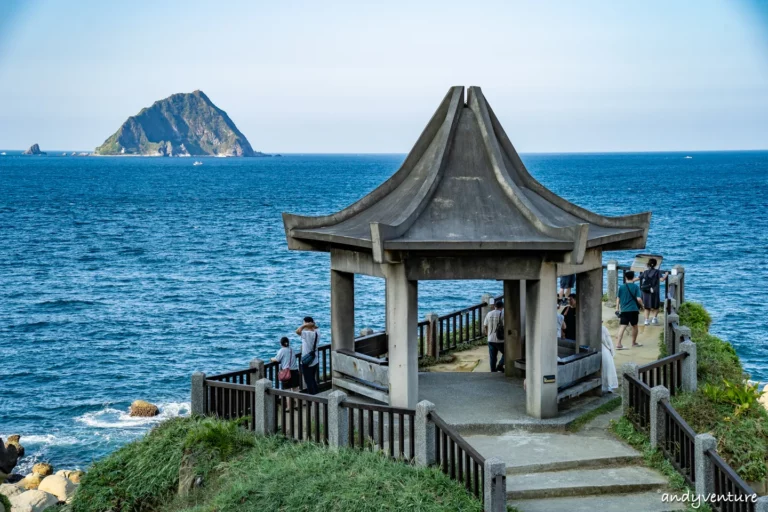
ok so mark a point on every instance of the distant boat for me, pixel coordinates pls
(197, 162)
(688, 157)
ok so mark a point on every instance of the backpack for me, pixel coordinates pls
(309, 357)
(500, 328)
(649, 280)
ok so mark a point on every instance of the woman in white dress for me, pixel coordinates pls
(610, 380)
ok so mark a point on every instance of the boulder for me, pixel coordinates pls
(73, 476)
(144, 409)
(14, 478)
(59, 486)
(9, 491)
(10, 453)
(32, 501)
(15, 440)
(42, 469)
(31, 481)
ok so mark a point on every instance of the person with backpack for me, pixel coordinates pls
(310, 337)
(650, 285)
(493, 327)
(288, 366)
(628, 304)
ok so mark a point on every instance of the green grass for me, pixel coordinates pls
(585, 418)
(5, 503)
(244, 472)
(654, 459)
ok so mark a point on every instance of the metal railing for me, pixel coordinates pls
(678, 442)
(229, 401)
(729, 485)
(299, 416)
(639, 402)
(665, 372)
(367, 425)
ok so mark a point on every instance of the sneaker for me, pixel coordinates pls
(647, 322)
(655, 321)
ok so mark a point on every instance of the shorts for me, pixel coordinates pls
(295, 381)
(568, 281)
(629, 318)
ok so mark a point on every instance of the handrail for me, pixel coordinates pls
(663, 361)
(362, 357)
(300, 396)
(463, 444)
(236, 373)
(377, 408)
(228, 385)
(460, 461)
(726, 482)
(667, 372)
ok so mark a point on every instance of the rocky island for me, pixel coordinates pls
(34, 149)
(185, 124)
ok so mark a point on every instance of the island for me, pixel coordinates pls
(184, 124)
(34, 149)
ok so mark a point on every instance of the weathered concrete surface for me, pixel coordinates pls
(636, 502)
(583, 481)
(525, 452)
(402, 321)
(342, 310)
(541, 344)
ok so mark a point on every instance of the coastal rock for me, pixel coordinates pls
(10, 453)
(186, 124)
(42, 469)
(34, 149)
(32, 501)
(73, 476)
(143, 409)
(9, 490)
(14, 478)
(59, 486)
(31, 481)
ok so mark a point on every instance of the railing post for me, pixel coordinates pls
(198, 394)
(658, 393)
(263, 408)
(424, 433)
(613, 280)
(688, 380)
(338, 422)
(682, 333)
(494, 489)
(627, 369)
(679, 271)
(487, 301)
(761, 505)
(705, 471)
(258, 364)
(669, 333)
(433, 344)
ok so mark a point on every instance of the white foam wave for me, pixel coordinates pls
(44, 440)
(110, 417)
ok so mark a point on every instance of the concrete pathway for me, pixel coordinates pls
(586, 471)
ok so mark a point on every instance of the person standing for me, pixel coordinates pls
(287, 361)
(493, 320)
(310, 337)
(650, 284)
(608, 370)
(566, 285)
(569, 316)
(560, 320)
(628, 304)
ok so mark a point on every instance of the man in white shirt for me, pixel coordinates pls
(310, 339)
(495, 346)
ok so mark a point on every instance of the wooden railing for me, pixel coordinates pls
(229, 401)
(728, 483)
(423, 327)
(460, 327)
(236, 377)
(457, 459)
(299, 416)
(639, 402)
(678, 442)
(367, 424)
(665, 372)
(324, 369)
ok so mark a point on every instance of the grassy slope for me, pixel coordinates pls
(243, 472)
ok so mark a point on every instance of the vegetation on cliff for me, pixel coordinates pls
(186, 124)
(238, 471)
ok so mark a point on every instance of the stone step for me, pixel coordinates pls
(645, 502)
(525, 452)
(583, 482)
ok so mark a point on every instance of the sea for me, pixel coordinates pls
(119, 277)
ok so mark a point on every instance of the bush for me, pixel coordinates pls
(716, 360)
(694, 316)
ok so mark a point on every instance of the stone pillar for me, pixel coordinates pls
(679, 271)
(513, 326)
(681, 333)
(541, 344)
(487, 301)
(658, 393)
(705, 471)
(626, 369)
(263, 408)
(338, 421)
(494, 489)
(258, 366)
(669, 332)
(198, 394)
(589, 308)
(342, 310)
(433, 343)
(613, 280)
(424, 434)
(402, 311)
(689, 380)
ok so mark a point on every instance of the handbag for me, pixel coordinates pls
(284, 375)
(309, 357)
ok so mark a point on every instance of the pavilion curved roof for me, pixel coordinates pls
(463, 187)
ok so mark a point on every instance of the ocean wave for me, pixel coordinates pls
(67, 303)
(110, 417)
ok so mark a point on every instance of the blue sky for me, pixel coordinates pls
(337, 76)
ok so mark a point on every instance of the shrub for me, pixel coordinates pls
(716, 360)
(694, 316)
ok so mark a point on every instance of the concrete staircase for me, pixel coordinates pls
(587, 471)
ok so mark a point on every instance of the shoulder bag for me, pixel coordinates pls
(309, 358)
(285, 374)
